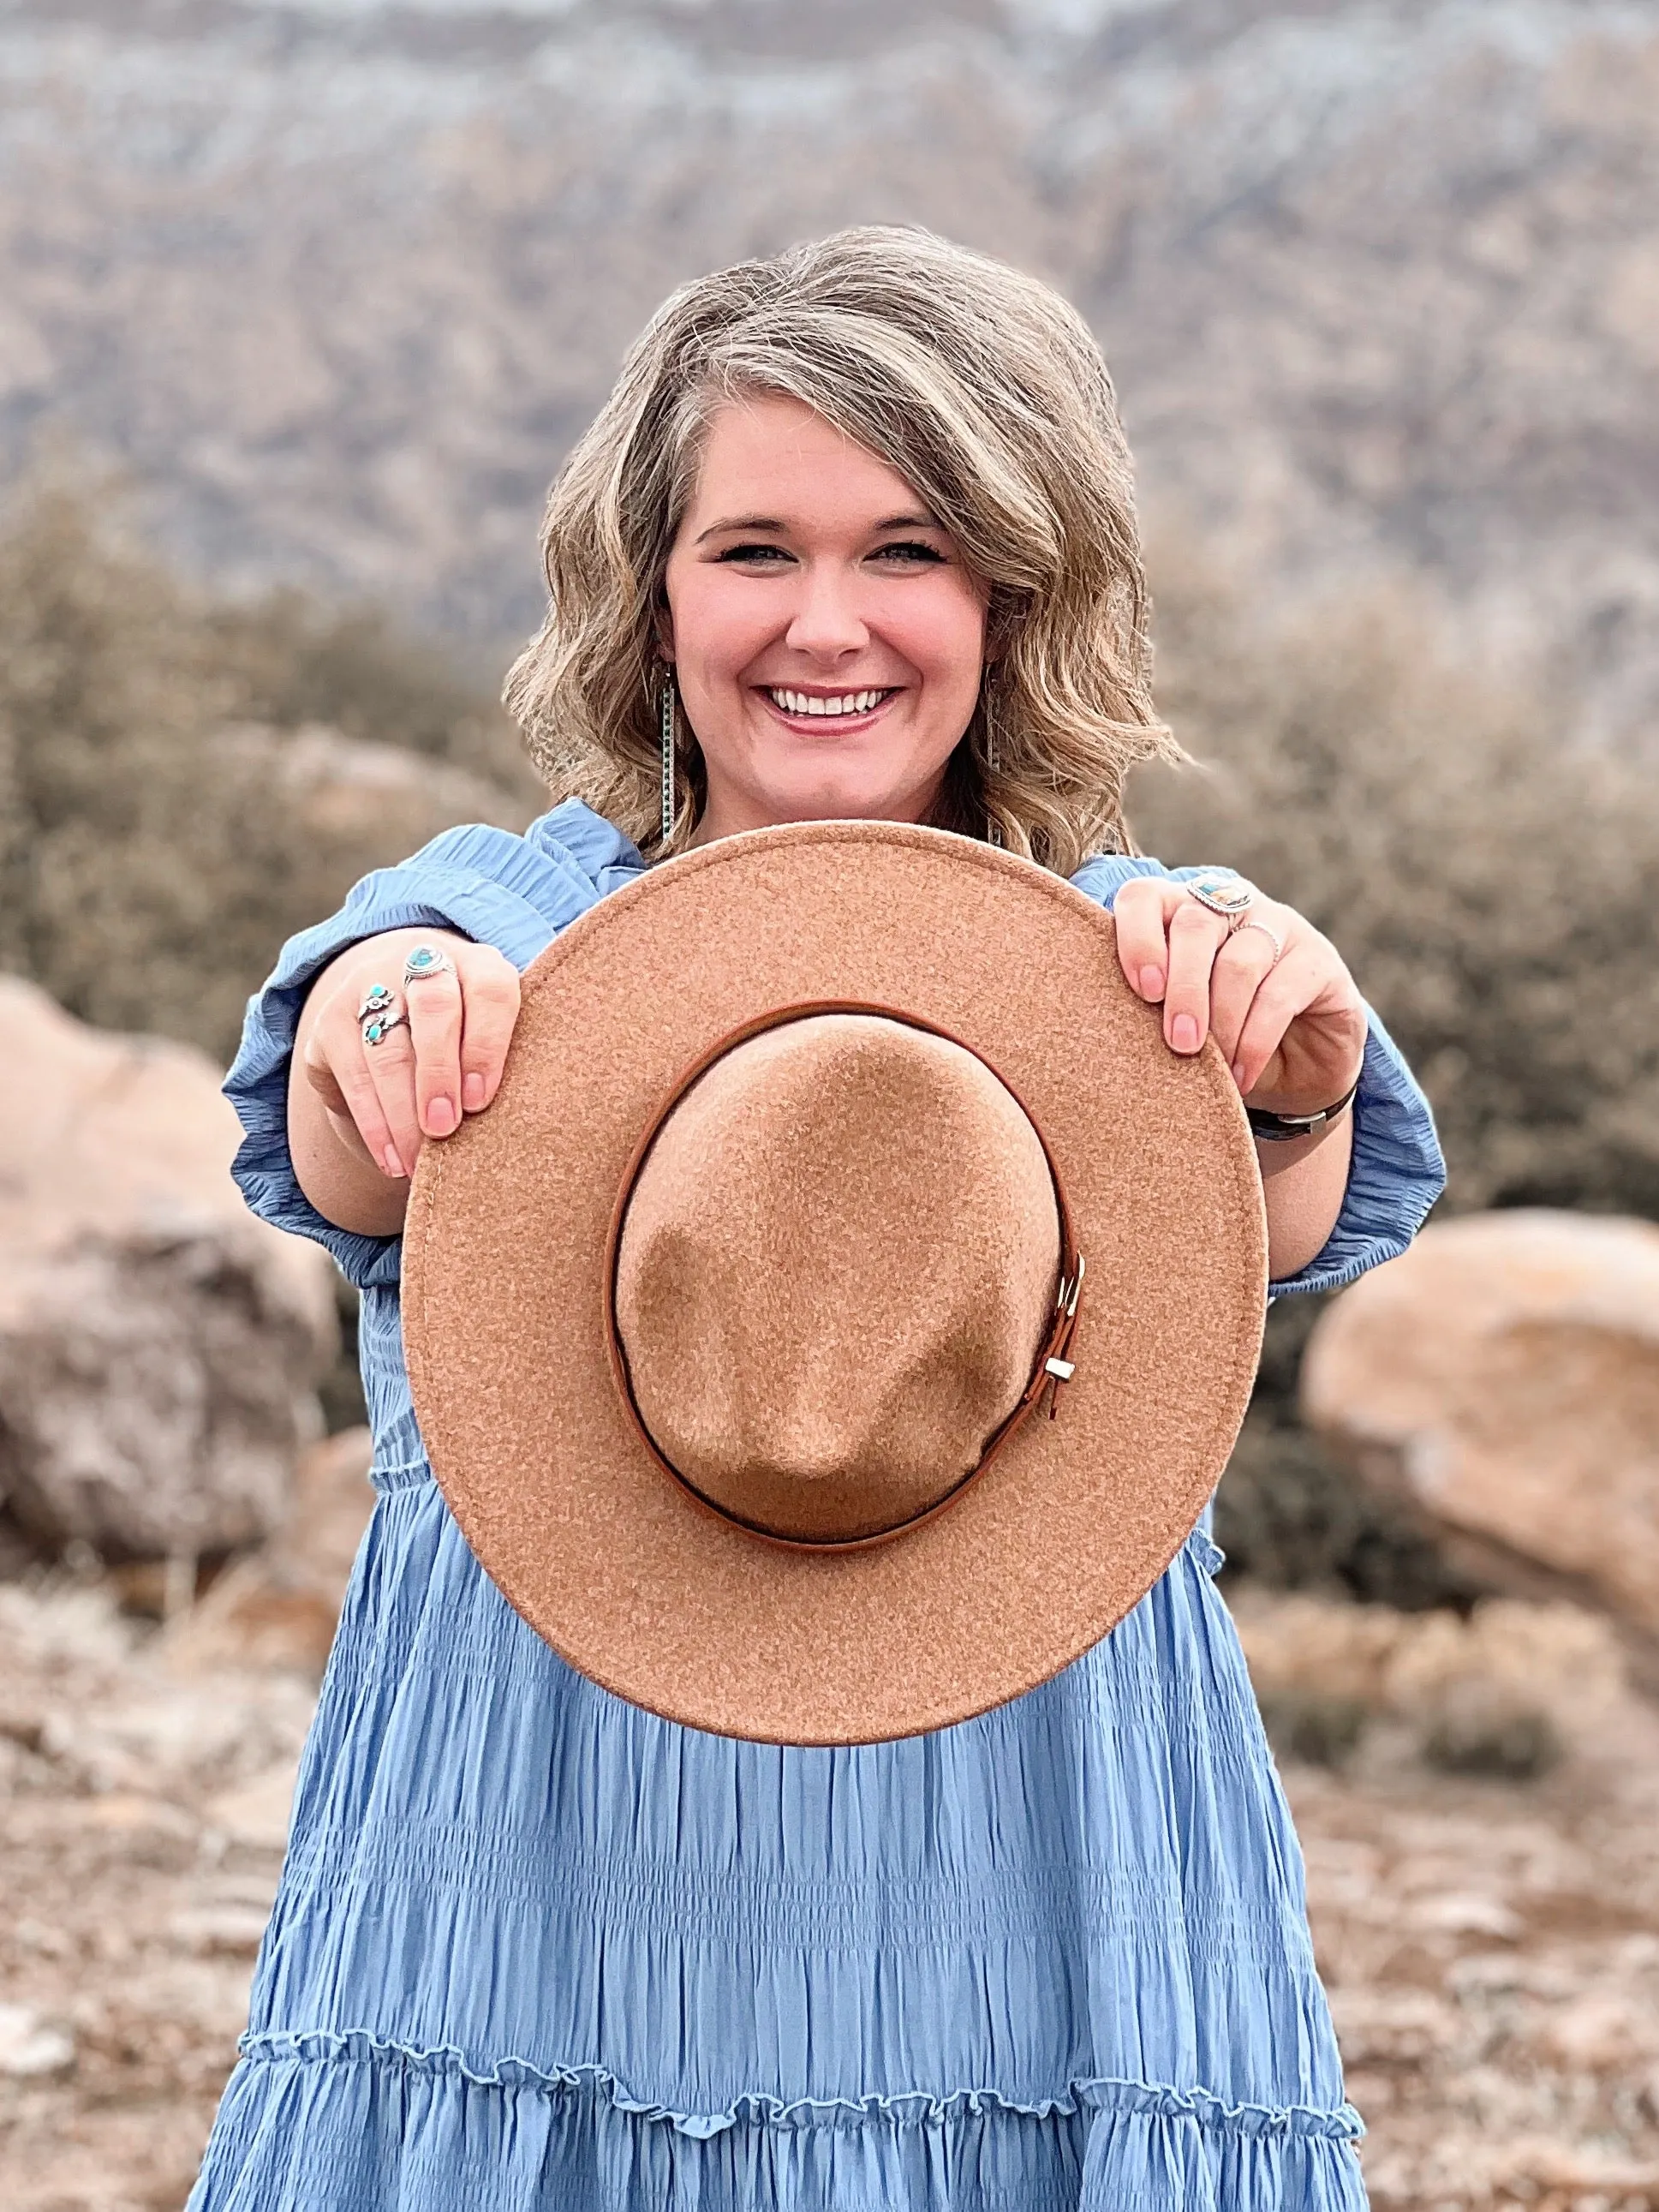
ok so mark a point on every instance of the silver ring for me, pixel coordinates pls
(1252, 921)
(1223, 893)
(381, 1023)
(426, 960)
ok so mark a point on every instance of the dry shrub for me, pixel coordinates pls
(357, 671)
(1300, 1642)
(183, 783)
(1491, 884)
(1498, 1693)
(148, 867)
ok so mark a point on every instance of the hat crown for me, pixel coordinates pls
(835, 1268)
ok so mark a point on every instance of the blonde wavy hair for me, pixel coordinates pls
(981, 387)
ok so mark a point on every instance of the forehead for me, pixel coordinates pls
(766, 454)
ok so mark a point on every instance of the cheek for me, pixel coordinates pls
(944, 635)
(717, 630)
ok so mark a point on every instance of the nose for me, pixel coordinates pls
(826, 623)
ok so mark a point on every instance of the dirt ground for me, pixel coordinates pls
(1492, 1947)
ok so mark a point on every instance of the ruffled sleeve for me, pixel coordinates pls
(1397, 1171)
(516, 893)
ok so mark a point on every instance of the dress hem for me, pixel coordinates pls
(1101, 2093)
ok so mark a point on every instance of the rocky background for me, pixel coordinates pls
(300, 304)
(341, 278)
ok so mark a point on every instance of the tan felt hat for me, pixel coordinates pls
(842, 1314)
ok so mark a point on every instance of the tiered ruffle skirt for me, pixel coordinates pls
(536, 1950)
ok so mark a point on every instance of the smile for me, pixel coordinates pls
(843, 706)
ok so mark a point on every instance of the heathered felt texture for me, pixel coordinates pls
(837, 1266)
(504, 1296)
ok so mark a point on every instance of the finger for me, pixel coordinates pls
(1293, 987)
(322, 1079)
(1196, 936)
(1141, 911)
(335, 1067)
(433, 1005)
(1241, 966)
(391, 1069)
(489, 1013)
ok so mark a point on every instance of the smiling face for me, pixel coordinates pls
(827, 639)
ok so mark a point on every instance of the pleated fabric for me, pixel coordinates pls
(537, 1950)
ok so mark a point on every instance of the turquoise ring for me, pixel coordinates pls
(380, 1025)
(427, 960)
(1223, 893)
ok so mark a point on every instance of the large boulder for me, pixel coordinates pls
(1502, 1378)
(159, 1346)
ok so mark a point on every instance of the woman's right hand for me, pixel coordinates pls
(359, 1112)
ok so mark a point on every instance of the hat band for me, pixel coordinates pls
(1051, 1370)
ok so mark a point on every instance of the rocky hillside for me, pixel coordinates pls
(340, 279)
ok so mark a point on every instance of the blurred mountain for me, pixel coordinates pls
(341, 279)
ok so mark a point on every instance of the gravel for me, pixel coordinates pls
(1490, 1946)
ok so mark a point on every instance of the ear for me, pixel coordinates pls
(662, 625)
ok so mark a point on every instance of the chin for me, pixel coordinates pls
(845, 806)
(844, 799)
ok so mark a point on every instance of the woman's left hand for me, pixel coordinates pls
(1292, 1029)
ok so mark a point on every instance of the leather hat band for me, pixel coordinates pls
(1050, 1371)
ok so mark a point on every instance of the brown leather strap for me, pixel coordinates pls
(1051, 1370)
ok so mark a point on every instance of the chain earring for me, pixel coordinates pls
(668, 757)
(993, 829)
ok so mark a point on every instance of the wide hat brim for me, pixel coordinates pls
(505, 1296)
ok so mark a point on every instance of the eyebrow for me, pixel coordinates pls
(769, 522)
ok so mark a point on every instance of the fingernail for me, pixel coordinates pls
(1183, 1034)
(472, 1092)
(439, 1115)
(1151, 982)
(393, 1165)
(1238, 1073)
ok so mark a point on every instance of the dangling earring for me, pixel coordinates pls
(668, 756)
(993, 829)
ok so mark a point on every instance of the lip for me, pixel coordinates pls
(824, 725)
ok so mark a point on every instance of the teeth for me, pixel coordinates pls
(804, 702)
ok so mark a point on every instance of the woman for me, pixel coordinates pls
(853, 537)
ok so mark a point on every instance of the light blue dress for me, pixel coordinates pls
(536, 1950)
